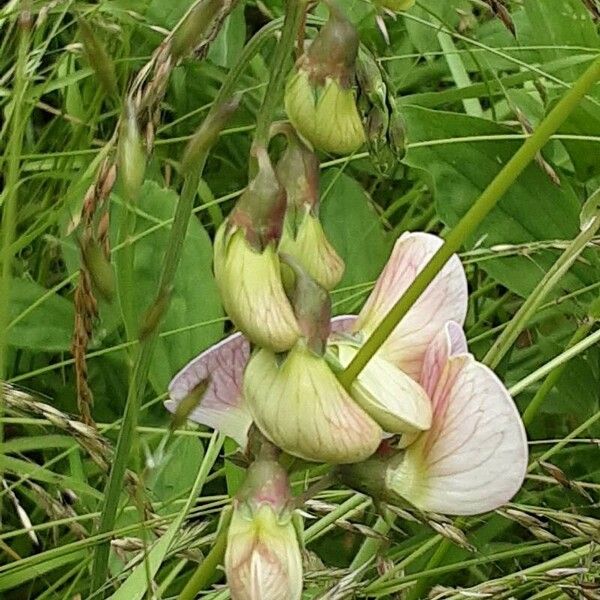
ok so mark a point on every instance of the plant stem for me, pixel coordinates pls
(139, 378)
(508, 337)
(205, 573)
(473, 218)
(294, 17)
(554, 375)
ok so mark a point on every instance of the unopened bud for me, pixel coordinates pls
(299, 405)
(98, 58)
(197, 23)
(99, 268)
(247, 267)
(207, 134)
(132, 156)
(320, 98)
(263, 559)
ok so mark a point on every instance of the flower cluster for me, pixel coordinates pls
(423, 424)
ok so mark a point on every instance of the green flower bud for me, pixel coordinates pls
(247, 267)
(131, 153)
(303, 236)
(310, 246)
(320, 98)
(263, 559)
(252, 291)
(300, 406)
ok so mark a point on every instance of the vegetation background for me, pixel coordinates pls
(472, 78)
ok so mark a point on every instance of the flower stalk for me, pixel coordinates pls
(473, 218)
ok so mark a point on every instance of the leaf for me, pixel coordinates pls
(195, 303)
(533, 209)
(228, 45)
(175, 473)
(354, 229)
(45, 328)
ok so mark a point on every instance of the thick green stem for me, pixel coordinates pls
(554, 375)
(508, 337)
(294, 17)
(205, 573)
(139, 378)
(469, 223)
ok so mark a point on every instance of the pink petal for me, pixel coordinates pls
(343, 323)
(444, 300)
(450, 341)
(474, 457)
(222, 406)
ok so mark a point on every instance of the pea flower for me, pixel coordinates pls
(464, 446)
(246, 263)
(262, 559)
(320, 96)
(303, 236)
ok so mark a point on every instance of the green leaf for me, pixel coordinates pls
(175, 472)
(227, 46)
(195, 303)
(47, 327)
(534, 208)
(356, 232)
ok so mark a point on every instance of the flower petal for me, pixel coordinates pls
(221, 406)
(397, 402)
(343, 323)
(303, 409)
(444, 300)
(474, 457)
(450, 341)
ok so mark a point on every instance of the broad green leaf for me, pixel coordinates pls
(227, 46)
(356, 232)
(175, 472)
(195, 307)
(45, 327)
(533, 209)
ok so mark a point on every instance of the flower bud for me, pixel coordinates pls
(247, 267)
(196, 24)
(303, 235)
(394, 400)
(320, 99)
(131, 153)
(300, 406)
(263, 560)
(310, 246)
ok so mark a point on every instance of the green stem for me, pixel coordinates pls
(205, 573)
(139, 379)
(294, 15)
(370, 545)
(554, 375)
(508, 337)
(473, 218)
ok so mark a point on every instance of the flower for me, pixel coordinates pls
(320, 98)
(303, 236)
(263, 560)
(464, 453)
(247, 267)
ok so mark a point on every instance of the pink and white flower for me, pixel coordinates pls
(465, 445)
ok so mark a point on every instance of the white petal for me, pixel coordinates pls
(397, 402)
(474, 457)
(444, 300)
(221, 406)
(450, 341)
(343, 323)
